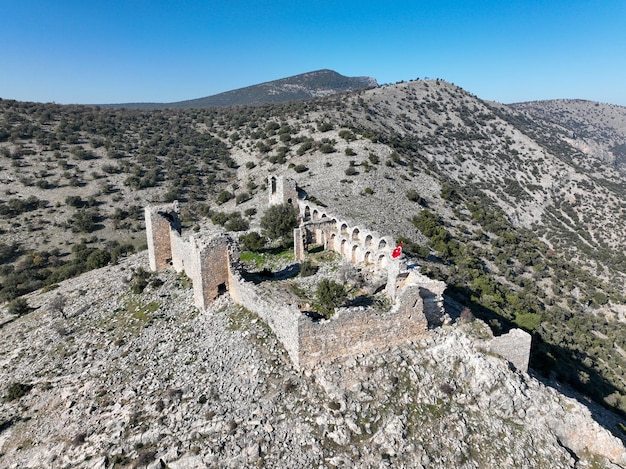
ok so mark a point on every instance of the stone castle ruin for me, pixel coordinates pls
(211, 260)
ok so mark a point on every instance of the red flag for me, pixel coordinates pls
(397, 252)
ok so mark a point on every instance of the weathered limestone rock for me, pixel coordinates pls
(215, 389)
(514, 346)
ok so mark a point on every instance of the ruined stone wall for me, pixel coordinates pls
(513, 346)
(184, 255)
(352, 332)
(282, 318)
(160, 221)
(355, 243)
(214, 269)
(282, 190)
(206, 261)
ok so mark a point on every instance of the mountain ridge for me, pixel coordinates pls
(297, 87)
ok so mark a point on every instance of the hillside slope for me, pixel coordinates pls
(526, 229)
(143, 379)
(598, 130)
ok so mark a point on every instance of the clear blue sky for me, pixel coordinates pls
(112, 51)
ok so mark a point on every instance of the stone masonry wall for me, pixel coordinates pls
(355, 243)
(214, 268)
(282, 318)
(352, 332)
(513, 346)
(159, 223)
(282, 190)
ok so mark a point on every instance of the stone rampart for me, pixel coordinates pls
(513, 346)
(282, 190)
(282, 318)
(161, 220)
(351, 332)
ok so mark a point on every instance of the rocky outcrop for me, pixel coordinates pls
(148, 380)
(513, 346)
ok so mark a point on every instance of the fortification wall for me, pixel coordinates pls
(214, 267)
(282, 318)
(351, 332)
(160, 221)
(282, 190)
(513, 346)
(355, 243)
(184, 255)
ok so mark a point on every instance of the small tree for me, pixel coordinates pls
(329, 295)
(57, 305)
(19, 306)
(279, 221)
(252, 242)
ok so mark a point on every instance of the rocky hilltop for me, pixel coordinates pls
(146, 380)
(520, 209)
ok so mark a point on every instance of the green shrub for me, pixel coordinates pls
(19, 307)
(327, 148)
(17, 391)
(329, 295)
(219, 218)
(300, 168)
(243, 197)
(325, 126)
(252, 242)
(224, 196)
(307, 268)
(236, 223)
(97, 259)
(83, 221)
(528, 321)
(306, 146)
(413, 196)
(139, 280)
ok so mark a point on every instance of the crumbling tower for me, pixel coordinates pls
(282, 190)
(160, 221)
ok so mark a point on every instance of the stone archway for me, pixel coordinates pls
(367, 259)
(331, 241)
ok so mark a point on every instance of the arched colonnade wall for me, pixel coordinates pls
(356, 244)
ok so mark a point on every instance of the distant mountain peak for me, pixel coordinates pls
(308, 85)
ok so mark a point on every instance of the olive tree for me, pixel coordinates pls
(279, 221)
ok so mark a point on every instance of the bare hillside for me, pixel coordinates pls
(524, 224)
(143, 379)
